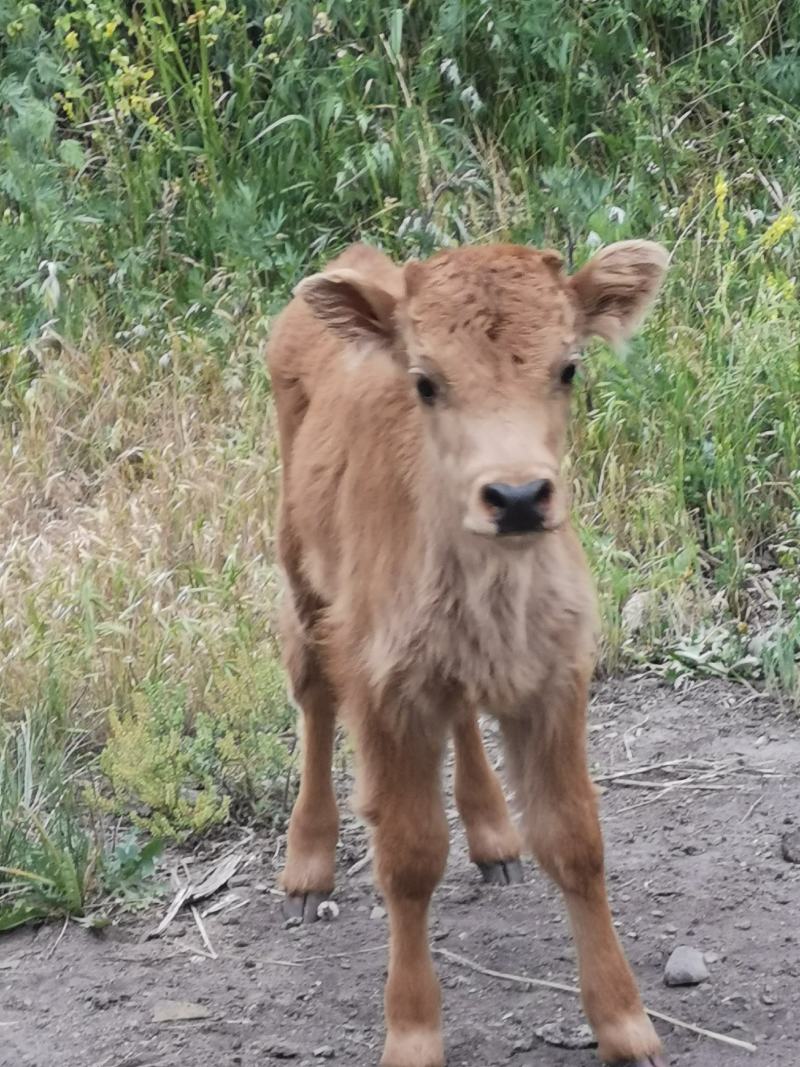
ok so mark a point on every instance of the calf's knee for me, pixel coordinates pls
(411, 855)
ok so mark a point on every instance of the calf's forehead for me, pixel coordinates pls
(490, 308)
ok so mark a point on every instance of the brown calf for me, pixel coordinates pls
(432, 571)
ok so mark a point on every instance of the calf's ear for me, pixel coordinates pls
(350, 304)
(615, 289)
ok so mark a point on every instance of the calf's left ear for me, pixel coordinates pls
(615, 289)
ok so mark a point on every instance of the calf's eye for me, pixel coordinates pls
(426, 388)
(568, 373)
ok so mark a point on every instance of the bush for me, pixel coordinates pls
(176, 776)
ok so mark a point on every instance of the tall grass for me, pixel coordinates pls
(169, 171)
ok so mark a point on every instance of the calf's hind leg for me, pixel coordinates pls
(547, 757)
(494, 844)
(308, 876)
(399, 793)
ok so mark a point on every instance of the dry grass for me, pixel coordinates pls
(135, 524)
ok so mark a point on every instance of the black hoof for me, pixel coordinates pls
(302, 908)
(504, 872)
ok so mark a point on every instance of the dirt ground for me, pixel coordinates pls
(690, 866)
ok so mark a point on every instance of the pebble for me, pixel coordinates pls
(743, 924)
(324, 1052)
(685, 966)
(378, 912)
(280, 1051)
(577, 1037)
(790, 846)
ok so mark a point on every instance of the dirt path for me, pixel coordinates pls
(691, 866)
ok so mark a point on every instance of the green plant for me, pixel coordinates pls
(55, 860)
(178, 776)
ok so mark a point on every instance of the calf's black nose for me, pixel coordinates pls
(518, 509)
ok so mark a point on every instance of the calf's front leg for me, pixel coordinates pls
(494, 843)
(399, 793)
(547, 758)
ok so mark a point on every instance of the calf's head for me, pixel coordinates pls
(488, 340)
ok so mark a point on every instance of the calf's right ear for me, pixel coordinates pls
(350, 304)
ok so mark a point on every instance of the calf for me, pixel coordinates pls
(432, 571)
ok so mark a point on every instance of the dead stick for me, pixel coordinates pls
(682, 783)
(752, 808)
(564, 988)
(203, 933)
(630, 771)
(58, 939)
(333, 956)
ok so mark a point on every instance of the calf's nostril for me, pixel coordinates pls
(495, 496)
(540, 492)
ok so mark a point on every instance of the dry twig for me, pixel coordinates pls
(57, 941)
(203, 933)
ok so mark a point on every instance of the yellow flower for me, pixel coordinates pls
(71, 41)
(784, 224)
(111, 26)
(721, 197)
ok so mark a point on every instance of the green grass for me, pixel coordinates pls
(169, 171)
(55, 860)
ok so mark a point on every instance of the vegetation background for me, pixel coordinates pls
(168, 170)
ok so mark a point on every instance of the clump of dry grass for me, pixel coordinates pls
(136, 512)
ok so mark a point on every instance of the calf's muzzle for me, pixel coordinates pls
(518, 509)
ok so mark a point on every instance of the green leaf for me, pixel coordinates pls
(72, 153)
(10, 918)
(396, 31)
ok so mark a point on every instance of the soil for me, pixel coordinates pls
(706, 868)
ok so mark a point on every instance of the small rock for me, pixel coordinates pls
(576, 1037)
(237, 881)
(685, 966)
(790, 846)
(711, 957)
(378, 912)
(525, 1044)
(324, 1052)
(743, 924)
(178, 1011)
(282, 1051)
(328, 910)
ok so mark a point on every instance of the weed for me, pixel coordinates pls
(55, 860)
